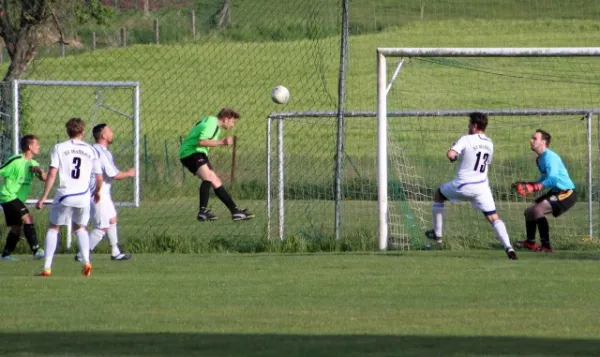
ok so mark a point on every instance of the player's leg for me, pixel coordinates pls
(13, 220)
(113, 239)
(199, 165)
(557, 204)
(484, 201)
(98, 231)
(206, 173)
(59, 215)
(438, 211)
(80, 217)
(31, 236)
(535, 216)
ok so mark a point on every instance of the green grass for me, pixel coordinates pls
(416, 304)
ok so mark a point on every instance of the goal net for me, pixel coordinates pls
(424, 98)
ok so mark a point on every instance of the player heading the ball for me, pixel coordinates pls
(193, 154)
(474, 153)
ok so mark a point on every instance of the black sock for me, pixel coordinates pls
(531, 226)
(204, 194)
(11, 243)
(31, 236)
(544, 230)
(225, 198)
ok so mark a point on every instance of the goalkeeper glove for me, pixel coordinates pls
(523, 188)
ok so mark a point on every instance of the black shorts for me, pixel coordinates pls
(13, 212)
(195, 161)
(560, 201)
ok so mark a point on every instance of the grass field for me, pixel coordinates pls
(417, 304)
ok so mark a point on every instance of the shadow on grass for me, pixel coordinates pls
(209, 344)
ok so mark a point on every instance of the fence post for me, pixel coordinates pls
(182, 167)
(167, 160)
(94, 41)
(62, 48)
(156, 32)
(193, 15)
(146, 158)
(123, 36)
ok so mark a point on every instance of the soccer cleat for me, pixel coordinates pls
(206, 215)
(241, 215)
(87, 270)
(512, 255)
(122, 256)
(431, 235)
(9, 258)
(544, 249)
(526, 245)
(39, 254)
(45, 272)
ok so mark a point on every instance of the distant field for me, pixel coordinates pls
(416, 304)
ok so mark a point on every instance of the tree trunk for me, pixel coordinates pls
(224, 14)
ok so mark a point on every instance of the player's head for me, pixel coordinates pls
(30, 143)
(75, 127)
(540, 140)
(102, 132)
(228, 117)
(477, 122)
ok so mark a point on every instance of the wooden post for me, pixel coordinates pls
(62, 49)
(123, 35)
(233, 156)
(156, 32)
(94, 41)
(193, 15)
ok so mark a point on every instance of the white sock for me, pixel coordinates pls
(83, 239)
(96, 238)
(438, 210)
(501, 233)
(50, 247)
(113, 239)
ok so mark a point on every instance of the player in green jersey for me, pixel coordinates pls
(18, 172)
(193, 154)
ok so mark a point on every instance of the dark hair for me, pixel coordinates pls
(479, 119)
(26, 141)
(75, 127)
(228, 113)
(97, 130)
(545, 136)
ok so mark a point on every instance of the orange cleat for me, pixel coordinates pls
(87, 270)
(45, 272)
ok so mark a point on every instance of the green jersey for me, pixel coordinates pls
(205, 129)
(17, 178)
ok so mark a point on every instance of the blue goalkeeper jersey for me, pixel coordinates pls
(553, 173)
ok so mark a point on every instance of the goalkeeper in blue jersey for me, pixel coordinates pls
(560, 197)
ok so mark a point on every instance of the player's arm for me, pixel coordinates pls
(550, 179)
(39, 172)
(212, 143)
(125, 174)
(452, 155)
(50, 178)
(97, 170)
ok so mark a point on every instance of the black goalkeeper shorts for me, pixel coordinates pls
(195, 161)
(560, 201)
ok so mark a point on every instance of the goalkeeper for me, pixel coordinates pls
(559, 199)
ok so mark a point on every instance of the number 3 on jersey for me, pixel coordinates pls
(481, 166)
(77, 162)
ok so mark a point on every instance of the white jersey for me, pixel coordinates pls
(109, 169)
(75, 162)
(475, 154)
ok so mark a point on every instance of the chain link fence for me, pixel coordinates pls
(192, 58)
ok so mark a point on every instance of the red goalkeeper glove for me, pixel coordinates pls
(523, 188)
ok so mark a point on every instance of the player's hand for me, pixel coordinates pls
(523, 188)
(96, 196)
(130, 172)
(35, 169)
(228, 140)
(40, 204)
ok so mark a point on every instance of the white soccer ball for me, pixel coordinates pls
(280, 95)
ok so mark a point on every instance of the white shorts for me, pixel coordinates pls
(478, 193)
(61, 215)
(103, 211)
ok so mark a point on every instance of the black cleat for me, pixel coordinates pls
(512, 255)
(431, 235)
(122, 256)
(241, 215)
(206, 215)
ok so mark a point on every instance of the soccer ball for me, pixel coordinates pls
(280, 95)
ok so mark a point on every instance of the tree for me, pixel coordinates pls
(24, 25)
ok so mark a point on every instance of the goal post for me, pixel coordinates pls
(523, 86)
